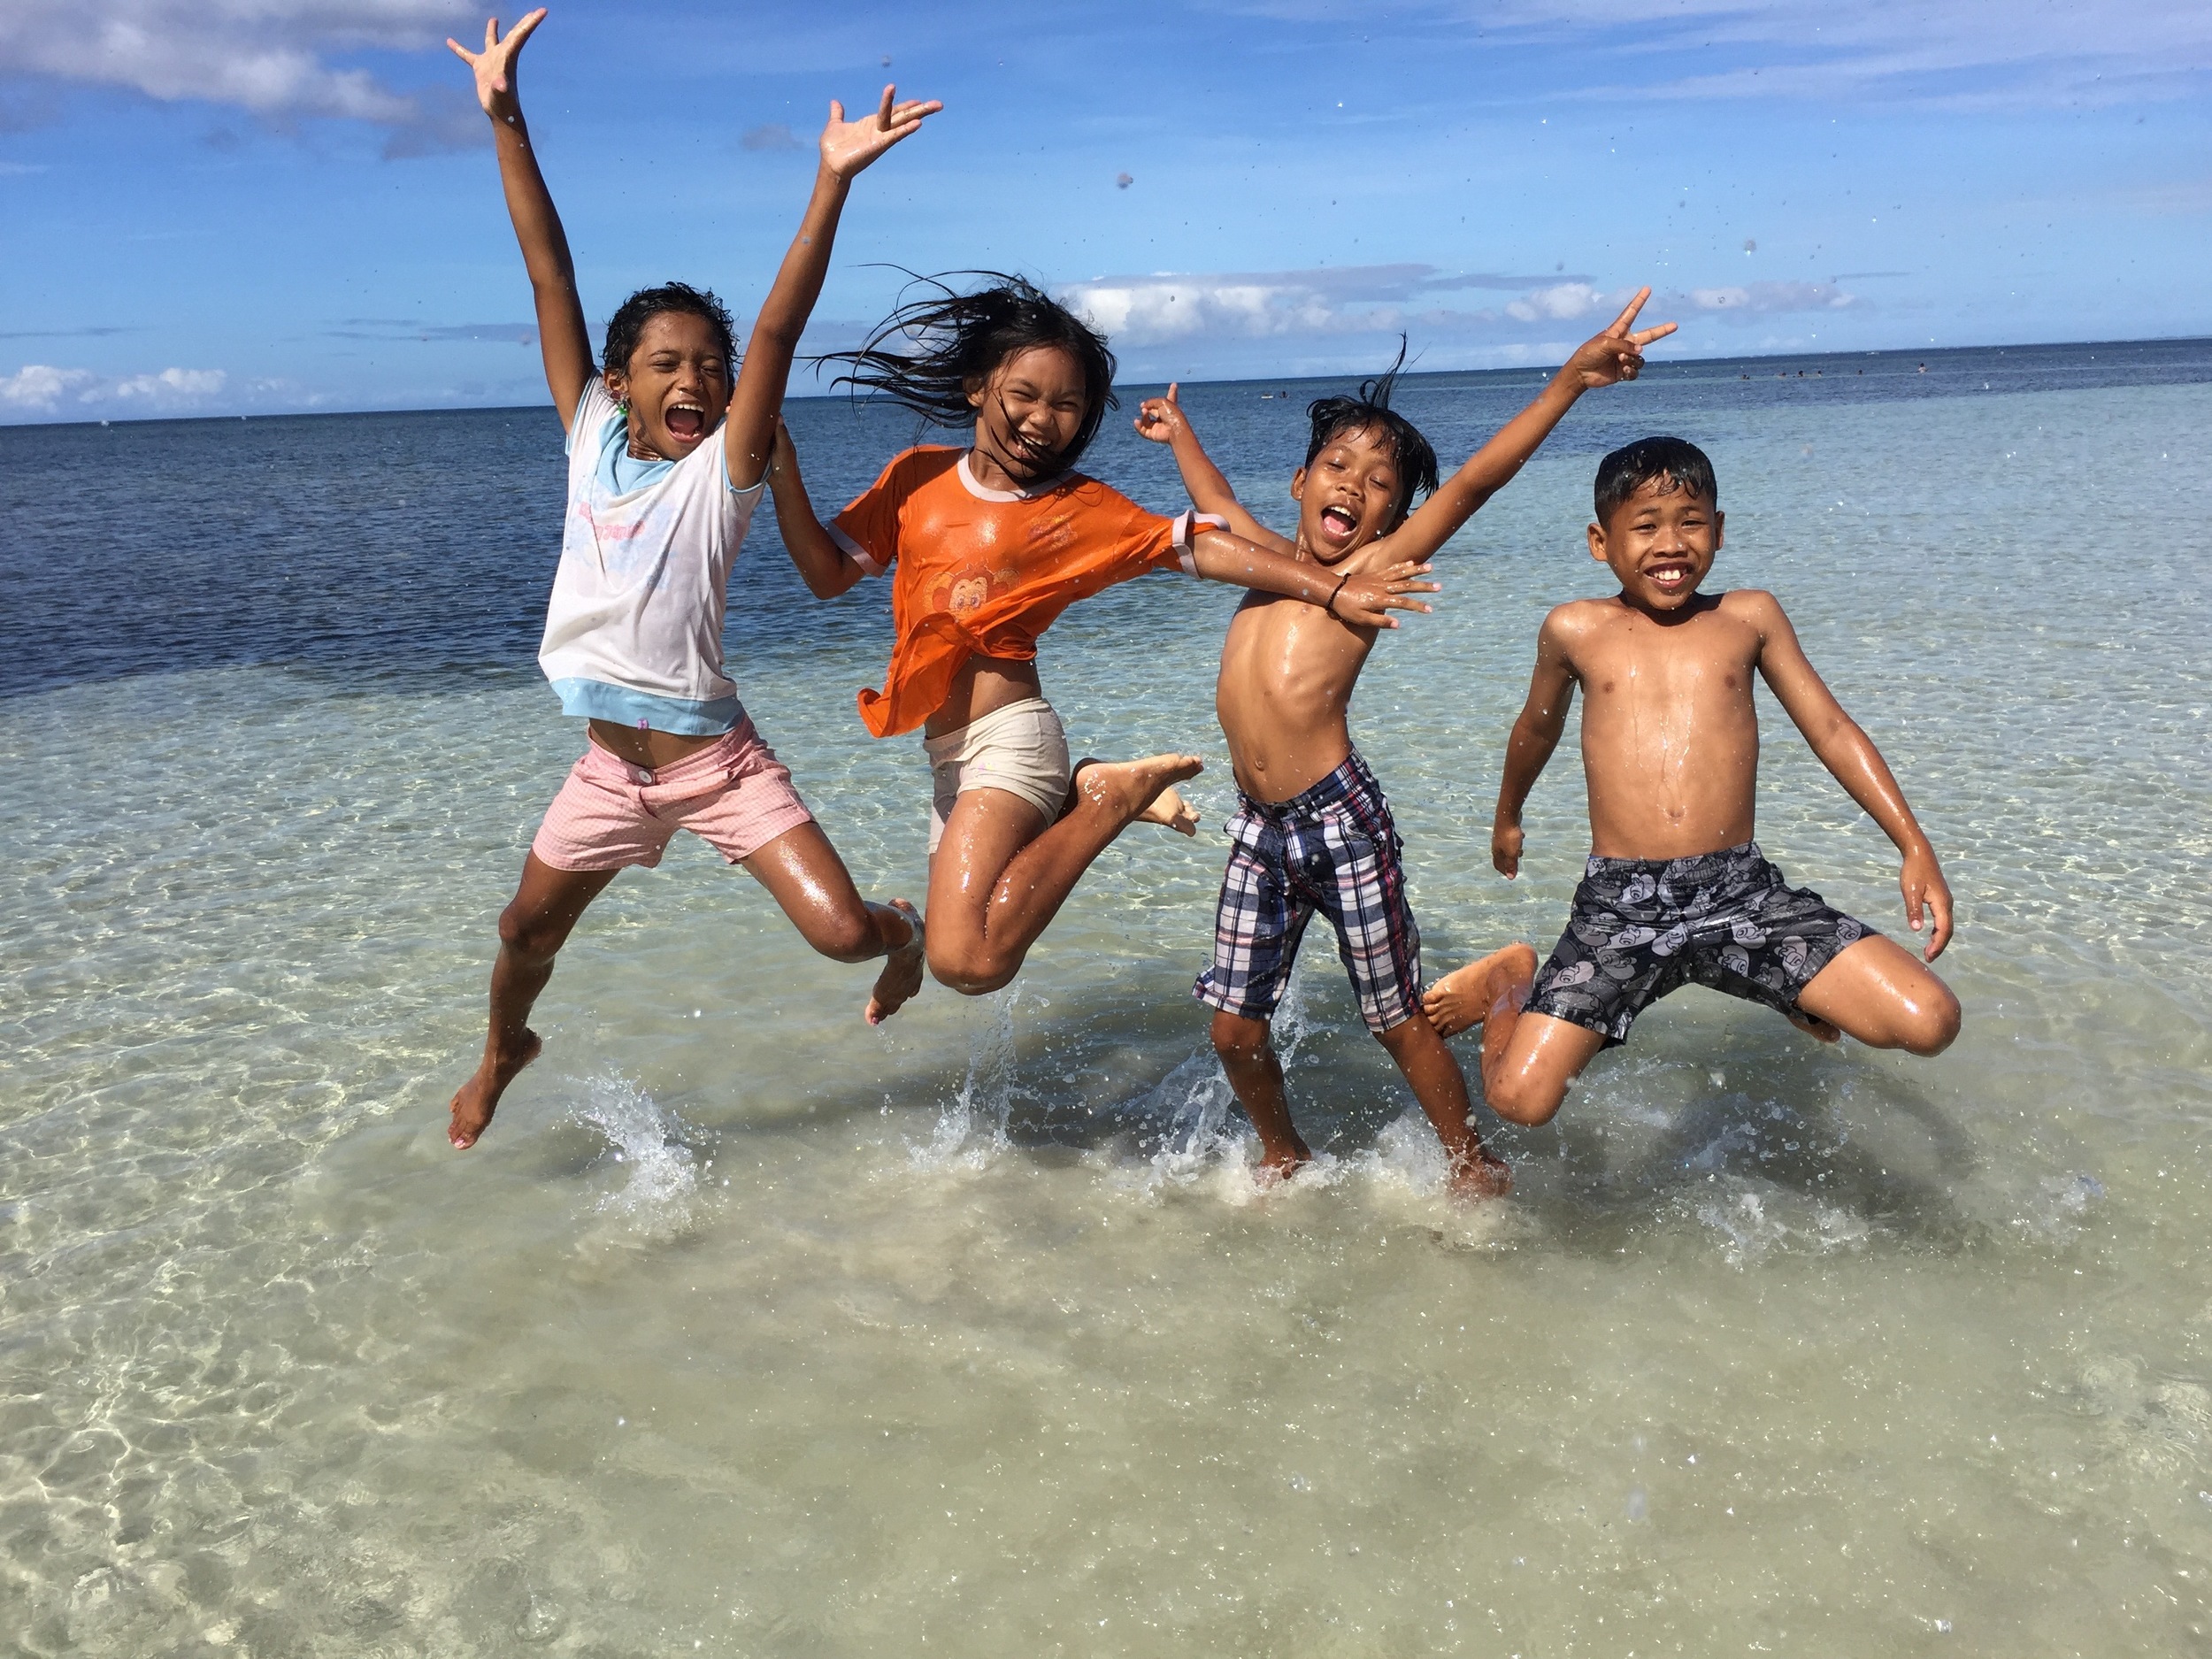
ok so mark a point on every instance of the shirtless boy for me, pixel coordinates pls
(1677, 892)
(1312, 830)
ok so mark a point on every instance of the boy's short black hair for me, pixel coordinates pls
(1681, 464)
(630, 317)
(1371, 410)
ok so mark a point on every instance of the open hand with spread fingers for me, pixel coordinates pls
(1617, 354)
(848, 147)
(495, 66)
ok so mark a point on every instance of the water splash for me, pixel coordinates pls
(660, 1173)
(972, 1129)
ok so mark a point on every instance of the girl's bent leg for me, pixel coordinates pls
(1880, 993)
(803, 873)
(1000, 875)
(532, 930)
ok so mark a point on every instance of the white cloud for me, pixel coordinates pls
(271, 58)
(1171, 306)
(42, 388)
(1768, 296)
(1563, 302)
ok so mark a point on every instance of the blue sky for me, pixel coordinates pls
(212, 207)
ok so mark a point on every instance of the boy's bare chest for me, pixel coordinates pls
(1702, 667)
(1279, 647)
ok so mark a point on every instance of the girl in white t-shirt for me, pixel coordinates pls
(657, 507)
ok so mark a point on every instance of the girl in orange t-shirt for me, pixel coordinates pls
(985, 546)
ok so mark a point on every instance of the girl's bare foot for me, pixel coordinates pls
(901, 975)
(1463, 998)
(1132, 788)
(1275, 1168)
(479, 1098)
(1169, 807)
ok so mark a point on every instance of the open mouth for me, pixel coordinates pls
(687, 422)
(1340, 525)
(1669, 578)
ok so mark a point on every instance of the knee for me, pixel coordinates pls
(970, 973)
(1934, 1024)
(1237, 1040)
(845, 935)
(1529, 1102)
(536, 938)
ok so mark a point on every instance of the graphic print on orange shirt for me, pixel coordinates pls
(979, 571)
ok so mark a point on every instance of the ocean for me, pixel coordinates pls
(749, 1330)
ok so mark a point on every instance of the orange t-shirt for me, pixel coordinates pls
(986, 572)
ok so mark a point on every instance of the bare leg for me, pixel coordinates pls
(1462, 999)
(1474, 1172)
(1529, 1059)
(1257, 1075)
(532, 930)
(1880, 993)
(805, 875)
(1000, 874)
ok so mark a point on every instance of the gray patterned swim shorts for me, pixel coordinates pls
(1644, 928)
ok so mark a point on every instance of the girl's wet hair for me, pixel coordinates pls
(952, 340)
(630, 317)
(1371, 411)
(1675, 463)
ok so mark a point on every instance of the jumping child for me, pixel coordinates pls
(657, 508)
(1312, 830)
(1676, 891)
(987, 544)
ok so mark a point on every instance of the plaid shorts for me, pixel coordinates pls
(1333, 849)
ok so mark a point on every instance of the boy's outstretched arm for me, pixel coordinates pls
(1365, 600)
(562, 337)
(1551, 693)
(826, 569)
(1161, 419)
(848, 148)
(1604, 360)
(1847, 752)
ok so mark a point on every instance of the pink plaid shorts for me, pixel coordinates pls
(734, 795)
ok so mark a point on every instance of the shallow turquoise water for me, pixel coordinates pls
(751, 1328)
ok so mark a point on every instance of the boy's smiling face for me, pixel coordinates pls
(1349, 495)
(677, 383)
(1659, 544)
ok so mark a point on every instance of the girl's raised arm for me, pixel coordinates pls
(847, 146)
(562, 337)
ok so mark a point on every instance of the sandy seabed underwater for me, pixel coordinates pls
(749, 1330)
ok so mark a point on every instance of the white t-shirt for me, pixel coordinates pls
(633, 628)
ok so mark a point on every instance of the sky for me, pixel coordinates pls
(264, 206)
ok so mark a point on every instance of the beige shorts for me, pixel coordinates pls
(1020, 748)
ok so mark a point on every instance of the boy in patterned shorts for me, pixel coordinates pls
(1312, 831)
(1676, 891)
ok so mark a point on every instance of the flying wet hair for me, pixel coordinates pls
(1671, 463)
(1371, 411)
(930, 351)
(630, 317)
